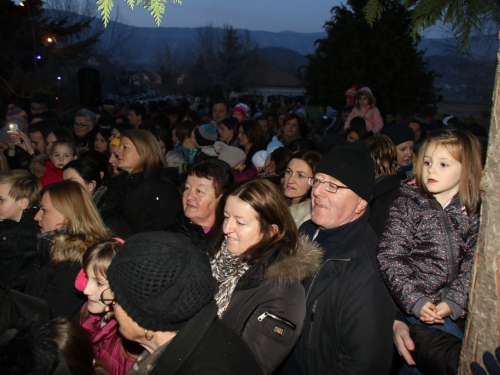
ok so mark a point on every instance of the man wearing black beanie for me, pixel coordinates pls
(350, 313)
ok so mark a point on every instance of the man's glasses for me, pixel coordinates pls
(328, 186)
(80, 125)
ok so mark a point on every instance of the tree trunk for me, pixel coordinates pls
(482, 332)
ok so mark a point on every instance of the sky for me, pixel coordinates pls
(270, 15)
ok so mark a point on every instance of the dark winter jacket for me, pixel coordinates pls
(191, 230)
(18, 249)
(385, 192)
(106, 341)
(54, 279)
(267, 307)
(348, 327)
(426, 252)
(205, 345)
(147, 203)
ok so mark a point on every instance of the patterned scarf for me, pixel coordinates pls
(227, 270)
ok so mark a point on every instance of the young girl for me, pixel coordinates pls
(364, 106)
(61, 153)
(426, 250)
(97, 314)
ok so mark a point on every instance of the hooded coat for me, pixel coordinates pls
(267, 307)
(58, 264)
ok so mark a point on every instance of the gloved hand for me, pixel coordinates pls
(490, 362)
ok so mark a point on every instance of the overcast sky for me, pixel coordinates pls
(269, 15)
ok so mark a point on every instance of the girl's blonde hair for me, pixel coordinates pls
(465, 148)
(75, 204)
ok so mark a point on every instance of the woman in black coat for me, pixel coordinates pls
(69, 225)
(260, 262)
(147, 195)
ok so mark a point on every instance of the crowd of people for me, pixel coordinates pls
(245, 238)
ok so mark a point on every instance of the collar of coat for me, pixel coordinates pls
(276, 268)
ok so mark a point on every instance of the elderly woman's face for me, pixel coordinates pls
(128, 156)
(241, 226)
(199, 201)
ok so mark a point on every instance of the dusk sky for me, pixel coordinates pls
(269, 15)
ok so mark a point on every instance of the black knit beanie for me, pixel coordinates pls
(399, 133)
(353, 166)
(161, 280)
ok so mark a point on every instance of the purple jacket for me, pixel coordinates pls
(425, 252)
(107, 344)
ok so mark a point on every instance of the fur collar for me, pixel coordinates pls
(37, 165)
(304, 263)
(69, 247)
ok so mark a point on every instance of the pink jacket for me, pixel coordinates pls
(372, 118)
(107, 344)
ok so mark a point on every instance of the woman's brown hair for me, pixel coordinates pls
(151, 157)
(311, 158)
(271, 207)
(384, 155)
(465, 148)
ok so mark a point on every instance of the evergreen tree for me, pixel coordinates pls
(383, 57)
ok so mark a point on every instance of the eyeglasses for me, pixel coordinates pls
(107, 297)
(328, 186)
(80, 125)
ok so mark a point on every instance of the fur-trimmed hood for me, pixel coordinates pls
(37, 165)
(297, 267)
(59, 246)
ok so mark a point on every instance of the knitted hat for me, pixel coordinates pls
(349, 94)
(241, 111)
(161, 280)
(115, 142)
(12, 110)
(259, 158)
(233, 156)
(273, 145)
(205, 135)
(332, 113)
(351, 165)
(399, 133)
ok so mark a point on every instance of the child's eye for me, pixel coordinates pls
(427, 163)
(99, 284)
(444, 165)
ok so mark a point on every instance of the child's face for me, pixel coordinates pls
(10, 209)
(364, 101)
(96, 284)
(61, 155)
(441, 173)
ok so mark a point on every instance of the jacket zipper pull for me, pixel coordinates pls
(313, 310)
(262, 317)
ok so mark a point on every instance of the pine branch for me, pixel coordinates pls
(105, 6)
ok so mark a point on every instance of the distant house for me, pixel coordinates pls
(145, 81)
(272, 80)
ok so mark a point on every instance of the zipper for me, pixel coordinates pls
(451, 254)
(268, 314)
(313, 311)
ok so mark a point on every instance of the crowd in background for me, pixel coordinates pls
(220, 238)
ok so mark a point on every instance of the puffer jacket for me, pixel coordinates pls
(268, 306)
(106, 341)
(426, 252)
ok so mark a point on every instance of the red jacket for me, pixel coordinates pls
(106, 341)
(52, 174)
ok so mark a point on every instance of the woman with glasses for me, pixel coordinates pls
(84, 129)
(69, 224)
(295, 185)
(97, 315)
(259, 262)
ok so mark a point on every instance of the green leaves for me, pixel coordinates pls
(463, 15)
(155, 7)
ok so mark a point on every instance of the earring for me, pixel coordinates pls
(146, 335)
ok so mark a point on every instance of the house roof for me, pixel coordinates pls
(271, 75)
